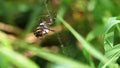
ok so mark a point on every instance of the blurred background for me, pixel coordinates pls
(19, 18)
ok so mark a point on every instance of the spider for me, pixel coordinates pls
(43, 28)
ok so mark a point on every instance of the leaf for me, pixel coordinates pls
(108, 41)
(112, 54)
(94, 33)
(17, 59)
(111, 22)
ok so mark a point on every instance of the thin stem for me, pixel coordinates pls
(46, 6)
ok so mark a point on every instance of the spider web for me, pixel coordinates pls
(57, 34)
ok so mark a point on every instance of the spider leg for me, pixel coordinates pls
(49, 30)
(52, 30)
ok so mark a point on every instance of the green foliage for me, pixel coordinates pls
(16, 59)
(89, 36)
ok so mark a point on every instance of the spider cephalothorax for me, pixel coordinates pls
(43, 28)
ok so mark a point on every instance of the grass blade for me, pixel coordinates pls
(58, 59)
(86, 45)
(17, 59)
(4, 40)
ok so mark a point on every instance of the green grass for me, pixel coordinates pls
(93, 25)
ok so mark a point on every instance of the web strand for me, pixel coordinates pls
(46, 6)
(61, 44)
(58, 37)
